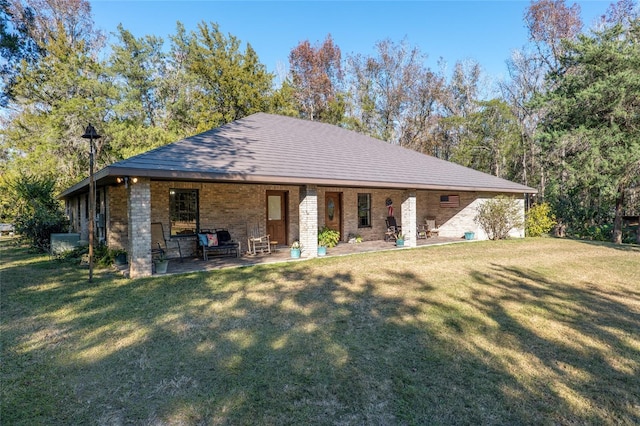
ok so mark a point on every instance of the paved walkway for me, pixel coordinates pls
(196, 264)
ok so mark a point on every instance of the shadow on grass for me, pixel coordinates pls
(633, 248)
(583, 339)
(312, 343)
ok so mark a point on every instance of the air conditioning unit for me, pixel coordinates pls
(64, 242)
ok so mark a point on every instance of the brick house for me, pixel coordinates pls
(285, 175)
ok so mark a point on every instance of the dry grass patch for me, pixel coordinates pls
(515, 332)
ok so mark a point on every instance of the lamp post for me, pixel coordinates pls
(91, 134)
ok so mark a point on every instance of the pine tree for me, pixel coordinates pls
(592, 126)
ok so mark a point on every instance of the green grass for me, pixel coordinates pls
(536, 331)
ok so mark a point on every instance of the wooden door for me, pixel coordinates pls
(277, 216)
(333, 211)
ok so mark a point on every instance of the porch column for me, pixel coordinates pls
(139, 212)
(409, 223)
(308, 214)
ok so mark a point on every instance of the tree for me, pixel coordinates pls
(316, 75)
(457, 102)
(138, 68)
(16, 45)
(591, 119)
(623, 12)
(283, 100)
(417, 130)
(27, 27)
(37, 212)
(550, 22)
(491, 140)
(391, 94)
(213, 83)
(56, 95)
(526, 81)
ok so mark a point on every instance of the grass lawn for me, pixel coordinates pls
(536, 331)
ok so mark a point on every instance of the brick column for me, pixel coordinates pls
(308, 217)
(139, 209)
(409, 225)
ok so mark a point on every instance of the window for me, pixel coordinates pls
(364, 210)
(183, 211)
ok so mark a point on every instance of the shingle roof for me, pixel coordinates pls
(268, 148)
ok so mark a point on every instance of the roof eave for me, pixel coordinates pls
(108, 175)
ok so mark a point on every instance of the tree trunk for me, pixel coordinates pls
(617, 222)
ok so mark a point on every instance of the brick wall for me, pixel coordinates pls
(117, 221)
(236, 207)
(379, 211)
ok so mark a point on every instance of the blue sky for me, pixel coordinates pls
(486, 31)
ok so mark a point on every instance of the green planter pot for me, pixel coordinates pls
(295, 253)
(400, 243)
(322, 251)
(121, 259)
(161, 266)
(469, 235)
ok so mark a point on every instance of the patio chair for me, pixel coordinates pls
(159, 242)
(432, 229)
(391, 234)
(422, 232)
(257, 241)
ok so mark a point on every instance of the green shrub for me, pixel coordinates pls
(74, 255)
(498, 216)
(540, 220)
(38, 213)
(103, 256)
(328, 237)
(593, 232)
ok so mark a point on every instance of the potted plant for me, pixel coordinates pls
(354, 238)
(161, 263)
(296, 249)
(469, 235)
(400, 240)
(119, 257)
(327, 238)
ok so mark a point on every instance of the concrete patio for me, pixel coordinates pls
(281, 254)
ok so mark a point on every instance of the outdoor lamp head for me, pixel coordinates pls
(90, 133)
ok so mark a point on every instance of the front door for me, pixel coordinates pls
(277, 216)
(333, 211)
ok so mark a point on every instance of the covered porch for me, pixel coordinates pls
(304, 209)
(192, 264)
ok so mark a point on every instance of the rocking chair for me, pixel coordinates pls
(257, 241)
(159, 241)
(391, 234)
(432, 230)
